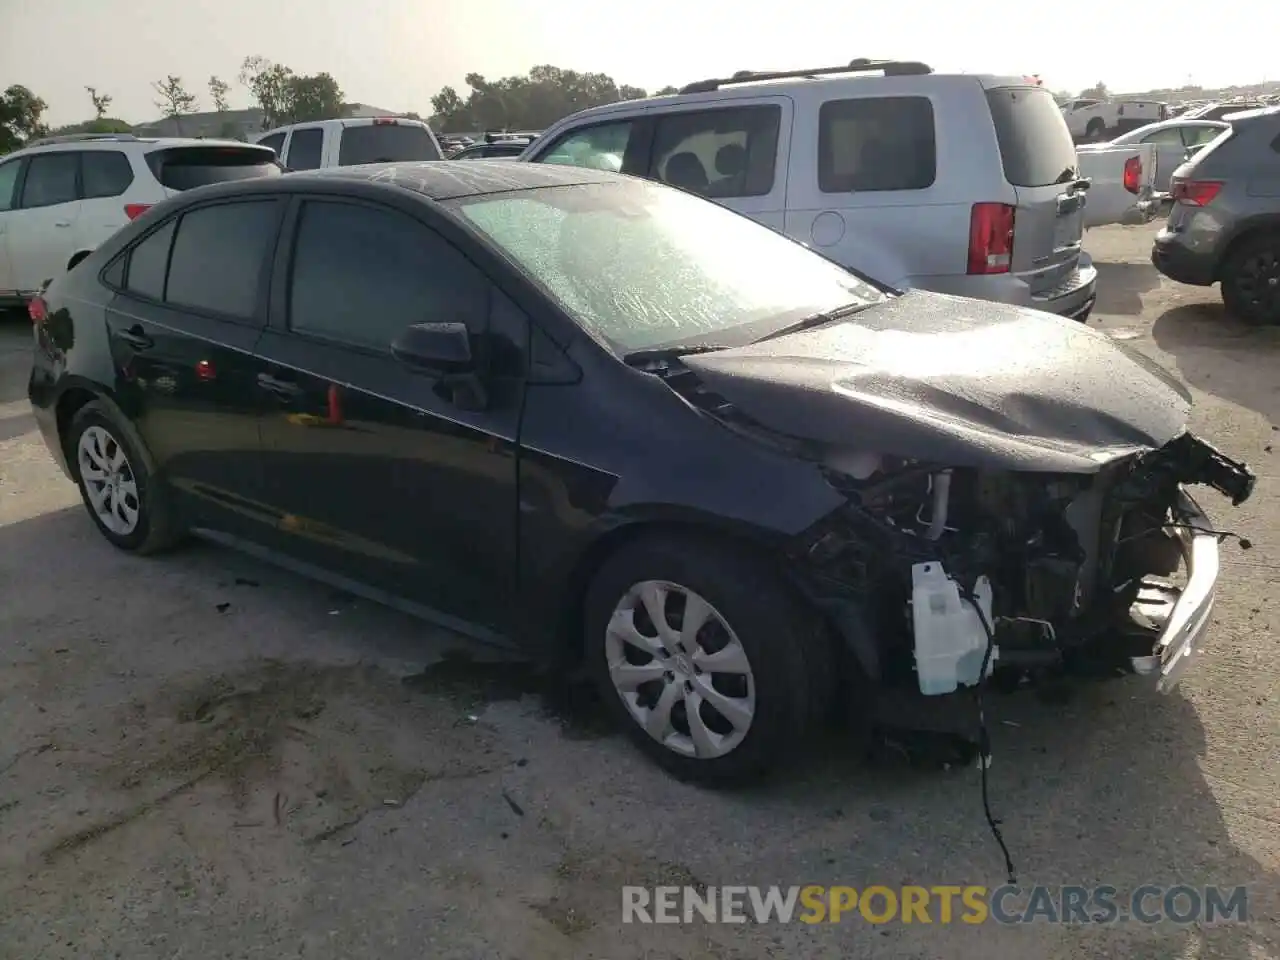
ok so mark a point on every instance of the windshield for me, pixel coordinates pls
(645, 267)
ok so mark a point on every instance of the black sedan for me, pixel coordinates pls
(610, 420)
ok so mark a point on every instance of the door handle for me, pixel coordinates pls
(62, 223)
(136, 337)
(284, 389)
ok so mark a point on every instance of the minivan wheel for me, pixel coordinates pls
(1251, 280)
(129, 507)
(704, 657)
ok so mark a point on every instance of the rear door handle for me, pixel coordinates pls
(62, 223)
(136, 337)
(284, 389)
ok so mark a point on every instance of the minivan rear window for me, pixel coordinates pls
(183, 168)
(1035, 145)
(385, 142)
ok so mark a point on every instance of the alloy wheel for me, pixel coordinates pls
(109, 481)
(680, 670)
(1259, 280)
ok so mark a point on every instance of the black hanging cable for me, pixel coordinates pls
(984, 737)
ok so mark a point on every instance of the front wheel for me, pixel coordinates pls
(705, 658)
(128, 505)
(1251, 280)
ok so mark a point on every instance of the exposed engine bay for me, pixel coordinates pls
(1055, 562)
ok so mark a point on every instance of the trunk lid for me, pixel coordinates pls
(1039, 161)
(958, 382)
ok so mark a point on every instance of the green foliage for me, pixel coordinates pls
(1098, 91)
(174, 99)
(286, 97)
(101, 102)
(218, 90)
(531, 102)
(20, 117)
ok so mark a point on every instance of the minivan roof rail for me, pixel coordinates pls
(78, 137)
(890, 68)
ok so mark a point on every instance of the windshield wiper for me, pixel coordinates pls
(669, 353)
(817, 320)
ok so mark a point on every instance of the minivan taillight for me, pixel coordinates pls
(1196, 193)
(1133, 174)
(134, 210)
(990, 238)
(37, 310)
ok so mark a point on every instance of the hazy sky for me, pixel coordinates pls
(397, 53)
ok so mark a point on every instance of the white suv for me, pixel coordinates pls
(61, 197)
(344, 143)
(963, 184)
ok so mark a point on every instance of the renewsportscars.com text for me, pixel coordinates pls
(942, 904)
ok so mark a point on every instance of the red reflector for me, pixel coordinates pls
(990, 238)
(384, 122)
(1196, 193)
(37, 310)
(205, 371)
(1133, 174)
(134, 210)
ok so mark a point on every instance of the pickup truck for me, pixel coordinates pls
(1092, 119)
(1123, 188)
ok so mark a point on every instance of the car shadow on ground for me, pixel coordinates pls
(1121, 286)
(1097, 784)
(1221, 355)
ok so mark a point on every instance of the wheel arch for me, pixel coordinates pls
(77, 257)
(79, 394)
(1252, 228)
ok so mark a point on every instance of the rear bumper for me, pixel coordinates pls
(1176, 262)
(1073, 296)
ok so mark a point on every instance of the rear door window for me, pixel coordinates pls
(275, 142)
(148, 263)
(877, 143)
(8, 183)
(219, 257)
(304, 149)
(51, 179)
(183, 168)
(384, 143)
(1035, 146)
(721, 153)
(105, 173)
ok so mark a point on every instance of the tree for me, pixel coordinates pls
(218, 94)
(313, 98)
(269, 84)
(666, 92)
(1098, 91)
(101, 101)
(174, 99)
(530, 102)
(20, 113)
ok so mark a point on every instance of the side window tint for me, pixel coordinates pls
(51, 178)
(275, 142)
(113, 276)
(148, 262)
(1199, 136)
(8, 182)
(105, 173)
(304, 149)
(1171, 136)
(219, 255)
(601, 147)
(362, 274)
(721, 153)
(877, 143)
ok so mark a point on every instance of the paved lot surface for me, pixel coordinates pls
(203, 757)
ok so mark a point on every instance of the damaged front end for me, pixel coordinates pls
(953, 571)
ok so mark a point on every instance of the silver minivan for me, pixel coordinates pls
(959, 183)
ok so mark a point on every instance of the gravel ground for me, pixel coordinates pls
(204, 757)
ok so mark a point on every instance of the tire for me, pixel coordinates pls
(1251, 280)
(137, 515)
(751, 619)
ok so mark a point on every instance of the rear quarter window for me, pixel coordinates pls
(1035, 145)
(384, 143)
(876, 143)
(184, 168)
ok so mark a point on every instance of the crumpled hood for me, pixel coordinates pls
(958, 382)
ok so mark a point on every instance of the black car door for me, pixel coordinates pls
(379, 472)
(191, 303)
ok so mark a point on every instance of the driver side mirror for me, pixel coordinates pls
(443, 350)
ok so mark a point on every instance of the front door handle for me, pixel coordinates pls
(62, 223)
(284, 389)
(136, 337)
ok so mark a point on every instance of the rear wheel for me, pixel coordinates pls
(1095, 129)
(1251, 280)
(129, 506)
(705, 658)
